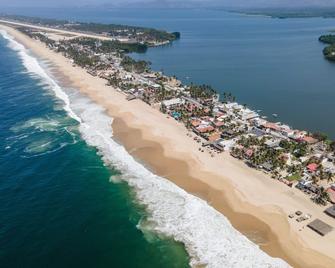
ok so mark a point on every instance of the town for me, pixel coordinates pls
(217, 123)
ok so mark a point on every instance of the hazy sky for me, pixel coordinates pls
(238, 3)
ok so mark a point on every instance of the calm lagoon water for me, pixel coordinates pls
(274, 65)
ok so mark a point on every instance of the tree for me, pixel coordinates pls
(320, 136)
(332, 146)
(322, 197)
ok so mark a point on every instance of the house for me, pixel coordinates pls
(328, 166)
(227, 133)
(172, 103)
(195, 122)
(309, 140)
(272, 143)
(257, 131)
(272, 126)
(331, 211)
(248, 153)
(214, 137)
(312, 167)
(227, 144)
(267, 166)
(204, 129)
(331, 193)
(219, 123)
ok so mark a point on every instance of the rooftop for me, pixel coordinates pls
(320, 227)
(331, 211)
(331, 193)
(309, 140)
(312, 167)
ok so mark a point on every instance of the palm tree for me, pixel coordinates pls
(322, 198)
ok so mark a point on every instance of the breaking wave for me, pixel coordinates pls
(42, 135)
(208, 236)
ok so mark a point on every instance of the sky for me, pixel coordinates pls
(170, 3)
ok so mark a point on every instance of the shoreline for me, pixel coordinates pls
(150, 145)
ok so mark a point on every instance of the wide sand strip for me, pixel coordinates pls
(255, 204)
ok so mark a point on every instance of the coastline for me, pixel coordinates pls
(168, 142)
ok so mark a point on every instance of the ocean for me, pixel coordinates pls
(272, 65)
(59, 206)
(71, 196)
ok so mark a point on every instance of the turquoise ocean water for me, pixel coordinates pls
(58, 207)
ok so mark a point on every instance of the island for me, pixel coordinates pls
(287, 13)
(328, 51)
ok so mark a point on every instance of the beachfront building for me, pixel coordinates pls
(170, 104)
(292, 156)
(331, 211)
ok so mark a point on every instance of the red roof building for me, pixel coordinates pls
(272, 126)
(205, 129)
(331, 193)
(309, 140)
(214, 137)
(249, 152)
(195, 123)
(219, 123)
(312, 167)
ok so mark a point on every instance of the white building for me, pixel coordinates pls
(173, 102)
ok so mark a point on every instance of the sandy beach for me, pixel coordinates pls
(256, 205)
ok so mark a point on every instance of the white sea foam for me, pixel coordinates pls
(33, 66)
(207, 234)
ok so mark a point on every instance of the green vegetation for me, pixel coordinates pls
(228, 97)
(329, 51)
(82, 59)
(322, 197)
(294, 177)
(332, 146)
(282, 13)
(34, 20)
(202, 91)
(38, 36)
(327, 39)
(131, 65)
(298, 149)
(140, 35)
(106, 46)
(176, 35)
(320, 136)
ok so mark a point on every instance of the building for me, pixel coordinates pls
(320, 227)
(272, 143)
(309, 140)
(312, 167)
(172, 103)
(331, 211)
(331, 193)
(214, 137)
